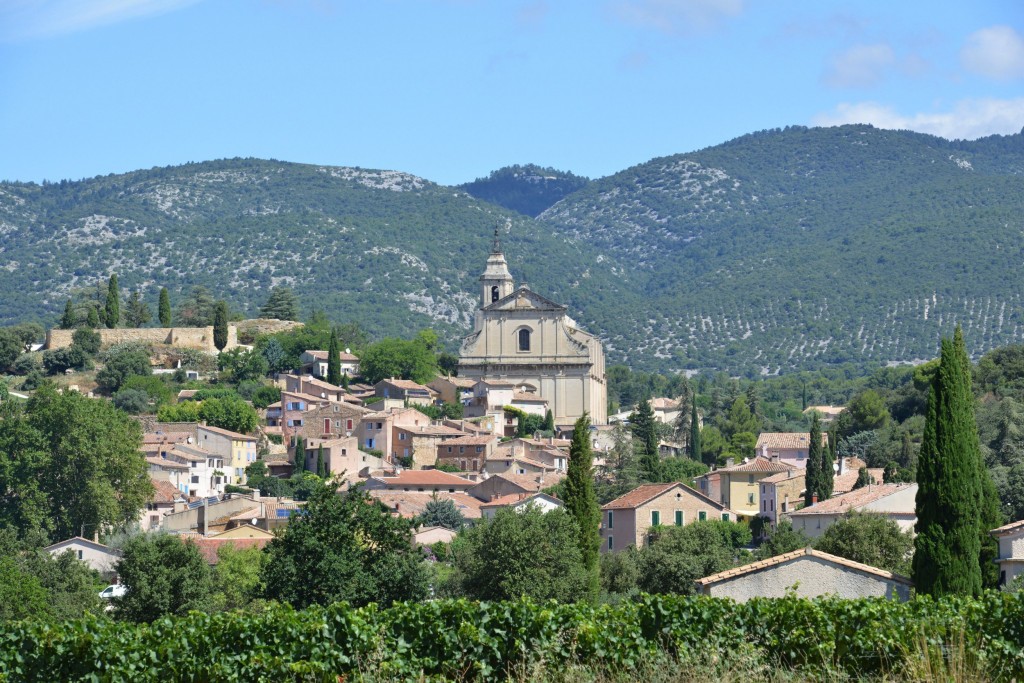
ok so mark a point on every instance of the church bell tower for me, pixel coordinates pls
(496, 282)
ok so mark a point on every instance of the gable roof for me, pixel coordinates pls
(844, 483)
(423, 478)
(470, 440)
(536, 301)
(795, 555)
(853, 500)
(1007, 529)
(788, 440)
(78, 540)
(226, 432)
(165, 492)
(784, 476)
(758, 464)
(412, 503)
(647, 492)
(517, 498)
(406, 384)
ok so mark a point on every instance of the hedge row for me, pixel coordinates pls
(482, 641)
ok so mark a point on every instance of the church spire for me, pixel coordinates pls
(496, 281)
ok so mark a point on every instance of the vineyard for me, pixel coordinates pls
(463, 640)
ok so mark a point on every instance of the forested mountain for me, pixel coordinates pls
(527, 189)
(780, 250)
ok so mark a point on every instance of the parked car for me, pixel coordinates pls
(114, 591)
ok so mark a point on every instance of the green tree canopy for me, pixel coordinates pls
(220, 325)
(441, 512)
(344, 547)
(871, 539)
(398, 358)
(281, 305)
(678, 556)
(137, 313)
(230, 413)
(164, 308)
(164, 575)
(113, 306)
(581, 502)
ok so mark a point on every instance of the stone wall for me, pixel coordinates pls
(200, 338)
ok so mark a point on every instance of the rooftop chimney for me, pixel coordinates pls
(814, 499)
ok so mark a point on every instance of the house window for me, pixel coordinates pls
(750, 478)
(449, 449)
(725, 516)
(750, 499)
(369, 443)
(611, 544)
(327, 425)
(475, 466)
(679, 517)
(479, 449)
(611, 523)
(655, 517)
(524, 339)
(80, 554)
(401, 436)
(348, 425)
(462, 449)
(702, 516)
(785, 506)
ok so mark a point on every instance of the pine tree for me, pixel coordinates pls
(333, 361)
(220, 325)
(581, 501)
(321, 465)
(136, 312)
(949, 476)
(69, 319)
(93, 318)
(282, 305)
(814, 475)
(113, 307)
(549, 421)
(645, 432)
(165, 308)
(695, 444)
(299, 466)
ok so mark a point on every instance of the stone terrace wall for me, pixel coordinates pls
(183, 337)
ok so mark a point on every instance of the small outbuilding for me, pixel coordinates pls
(806, 573)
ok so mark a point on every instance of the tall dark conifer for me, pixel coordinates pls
(645, 433)
(947, 547)
(695, 444)
(581, 501)
(113, 307)
(827, 470)
(321, 464)
(69, 319)
(333, 360)
(220, 325)
(813, 475)
(165, 308)
(299, 465)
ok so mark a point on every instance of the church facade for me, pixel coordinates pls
(524, 338)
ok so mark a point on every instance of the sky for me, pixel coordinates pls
(451, 90)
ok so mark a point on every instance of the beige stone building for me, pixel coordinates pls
(895, 501)
(524, 338)
(738, 486)
(1011, 551)
(807, 573)
(626, 520)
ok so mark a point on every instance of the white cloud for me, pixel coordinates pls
(28, 19)
(860, 67)
(677, 16)
(996, 52)
(967, 120)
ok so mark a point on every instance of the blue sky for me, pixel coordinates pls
(453, 89)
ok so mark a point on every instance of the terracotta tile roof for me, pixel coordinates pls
(190, 454)
(853, 500)
(664, 404)
(432, 430)
(514, 498)
(209, 546)
(165, 491)
(410, 504)
(795, 555)
(531, 482)
(470, 441)
(525, 396)
(165, 463)
(246, 515)
(407, 384)
(844, 483)
(829, 412)
(784, 476)
(226, 432)
(424, 478)
(787, 440)
(758, 464)
(1010, 528)
(648, 492)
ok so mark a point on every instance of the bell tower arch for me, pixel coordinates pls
(496, 281)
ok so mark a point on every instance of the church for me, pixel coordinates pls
(524, 338)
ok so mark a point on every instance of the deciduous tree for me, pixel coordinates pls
(164, 575)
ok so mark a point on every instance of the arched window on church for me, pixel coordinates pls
(524, 339)
(494, 293)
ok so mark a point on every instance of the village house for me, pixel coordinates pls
(417, 447)
(172, 471)
(828, 414)
(166, 498)
(1011, 551)
(848, 472)
(99, 557)
(315, 363)
(519, 502)
(419, 481)
(781, 493)
(206, 476)
(788, 447)
(311, 386)
(376, 430)
(237, 450)
(738, 486)
(895, 501)
(468, 453)
(430, 535)
(805, 573)
(627, 520)
(517, 466)
(342, 457)
(404, 390)
(453, 389)
(499, 485)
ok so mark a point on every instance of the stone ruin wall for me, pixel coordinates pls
(182, 337)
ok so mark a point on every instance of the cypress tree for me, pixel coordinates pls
(113, 307)
(813, 475)
(947, 548)
(69, 319)
(220, 325)
(299, 466)
(827, 470)
(645, 432)
(581, 501)
(695, 445)
(165, 308)
(321, 466)
(333, 360)
(92, 319)
(549, 421)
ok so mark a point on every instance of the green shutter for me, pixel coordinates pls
(702, 516)
(655, 517)
(610, 520)
(679, 517)
(725, 516)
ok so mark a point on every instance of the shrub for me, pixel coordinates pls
(120, 367)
